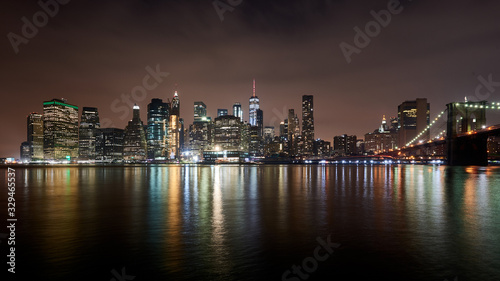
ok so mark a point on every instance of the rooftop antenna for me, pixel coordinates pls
(254, 87)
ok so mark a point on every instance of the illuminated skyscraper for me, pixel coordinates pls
(135, 147)
(237, 111)
(35, 136)
(109, 145)
(260, 122)
(200, 111)
(60, 130)
(174, 128)
(157, 131)
(221, 112)
(89, 123)
(253, 107)
(307, 124)
(413, 116)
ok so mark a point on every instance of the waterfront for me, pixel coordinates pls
(248, 222)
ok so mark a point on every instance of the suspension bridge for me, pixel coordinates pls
(458, 136)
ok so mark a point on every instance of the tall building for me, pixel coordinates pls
(321, 148)
(292, 136)
(109, 145)
(238, 111)
(25, 152)
(253, 107)
(345, 145)
(35, 136)
(135, 146)
(60, 130)
(382, 139)
(260, 123)
(200, 111)
(89, 123)
(413, 117)
(228, 133)
(307, 124)
(268, 134)
(174, 132)
(222, 112)
(157, 130)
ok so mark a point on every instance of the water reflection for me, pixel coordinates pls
(222, 222)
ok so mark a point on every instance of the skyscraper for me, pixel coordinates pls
(292, 141)
(89, 123)
(307, 124)
(345, 145)
(60, 130)
(135, 147)
(157, 131)
(237, 111)
(221, 112)
(109, 145)
(35, 136)
(174, 129)
(200, 111)
(260, 122)
(253, 107)
(413, 117)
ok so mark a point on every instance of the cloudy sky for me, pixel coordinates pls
(96, 53)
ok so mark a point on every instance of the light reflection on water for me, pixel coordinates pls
(247, 222)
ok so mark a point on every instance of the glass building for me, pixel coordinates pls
(200, 111)
(174, 132)
(109, 145)
(60, 130)
(307, 124)
(238, 111)
(413, 117)
(35, 136)
(89, 123)
(221, 112)
(253, 107)
(157, 131)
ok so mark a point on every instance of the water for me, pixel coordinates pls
(256, 222)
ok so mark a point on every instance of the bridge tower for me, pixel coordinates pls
(466, 149)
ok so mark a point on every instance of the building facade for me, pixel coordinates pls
(60, 130)
(35, 136)
(109, 145)
(307, 124)
(89, 124)
(413, 117)
(135, 145)
(157, 130)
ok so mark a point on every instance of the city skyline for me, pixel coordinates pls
(297, 54)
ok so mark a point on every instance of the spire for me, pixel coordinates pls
(135, 106)
(253, 88)
(175, 94)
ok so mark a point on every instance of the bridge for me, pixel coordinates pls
(463, 141)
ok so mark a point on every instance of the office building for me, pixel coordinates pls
(238, 111)
(322, 148)
(307, 124)
(89, 123)
(344, 145)
(35, 136)
(174, 132)
(109, 145)
(60, 127)
(25, 152)
(135, 145)
(413, 117)
(157, 129)
(200, 111)
(253, 107)
(382, 139)
(221, 112)
(228, 133)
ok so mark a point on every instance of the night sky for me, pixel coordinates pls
(92, 52)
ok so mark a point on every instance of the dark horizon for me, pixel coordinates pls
(92, 54)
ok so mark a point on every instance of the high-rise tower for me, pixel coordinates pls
(157, 131)
(237, 111)
(307, 124)
(253, 107)
(60, 130)
(174, 128)
(135, 147)
(89, 123)
(35, 136)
